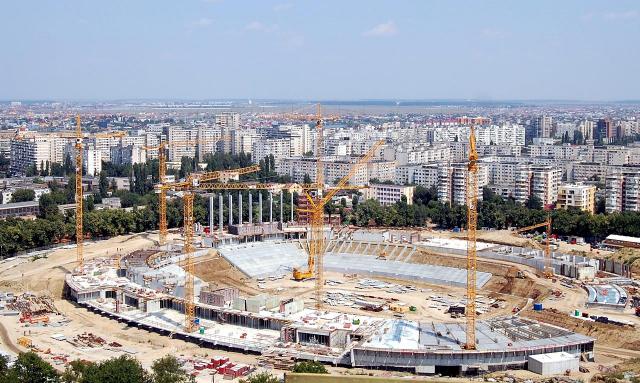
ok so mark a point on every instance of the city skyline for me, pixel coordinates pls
(331, 51)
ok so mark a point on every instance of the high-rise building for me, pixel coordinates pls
(91, 161)
(543, 125)
(31, 151)
(579, 196)
(622, 190)
(605, 130)
(541, 181)
(227, 122)
(452, 182)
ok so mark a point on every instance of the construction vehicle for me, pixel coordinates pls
(472, 223)
(548, 271)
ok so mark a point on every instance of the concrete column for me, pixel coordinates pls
(259, 207)
(211, 216)
(292, 207)
(281, 207)
(270, 207)
(230, 209)
(220, 213)
(239, 208)
(250, 208)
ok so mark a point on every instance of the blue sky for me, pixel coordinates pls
(116, 49)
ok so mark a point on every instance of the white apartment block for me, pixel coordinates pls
(622, 190)
(104, 145)
(176, 143)
(31, 151)
(389, 194)
(129, 154)
(539, 180)
(423, 175)
(300, 136)
(242, 140)
(381, 170)
(418, 155)
(227, 122)
(297, 168)
(280, 148)
(452, 182)
(92, 161)
(504, 134)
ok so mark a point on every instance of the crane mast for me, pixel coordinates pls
(472, 222)
(79, 195)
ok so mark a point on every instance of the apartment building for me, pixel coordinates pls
(176, 138)
(543, 126)
(579, 196)
(280, 148)
(418, 155)
(423, 175)
(381, 170)
(227, 122)
(297, 168)
(622, 190)
(242, 140)
(390, 194)
(452, 182)
(91, 161)
(32, 151)
(541, 181)
(128, 154)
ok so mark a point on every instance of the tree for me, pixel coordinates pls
(306, 179)
(310, 367)
(48, 206)
(22, 195)
(123, 369)
(30, 368)
(169, 370)
(67, 166)
(104, 184)
(262, 377)
(534, 203)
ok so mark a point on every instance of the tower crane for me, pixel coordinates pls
(79, 192)
(548, 267)
(162, 172)
(316, 234)
(472, 222)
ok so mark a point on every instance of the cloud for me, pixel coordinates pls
(611, 16)
(202, 22)
(282, 7)
(261, 27)
(381, 30)
(626, 15)
(492, 33)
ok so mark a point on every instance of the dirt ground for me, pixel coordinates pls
(46, 275)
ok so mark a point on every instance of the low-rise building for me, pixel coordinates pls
(389, 194)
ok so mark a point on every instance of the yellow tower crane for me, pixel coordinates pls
(194, 182)
(162, 173)
(472, 222)
(315, 209)
(548, 271)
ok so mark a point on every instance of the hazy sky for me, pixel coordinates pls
(323, 49)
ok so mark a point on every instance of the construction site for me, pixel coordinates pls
(275, 290)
